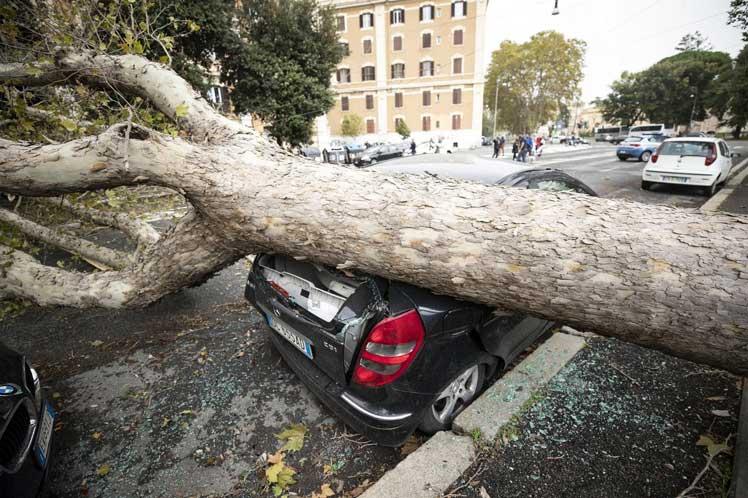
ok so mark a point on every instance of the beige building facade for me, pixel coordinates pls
(416, 61)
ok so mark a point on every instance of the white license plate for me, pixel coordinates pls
(45, 434)
(675, 179)
(302, 343)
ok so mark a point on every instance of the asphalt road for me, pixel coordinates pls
(598, 167)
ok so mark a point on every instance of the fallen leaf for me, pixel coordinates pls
(186, 412)
(325, 492)
(327, 470)
(55, 395)
(165, 421)
(711, 447)
(97, 343)
(411, 445)
(240, 354)
(293, 437)
(96, 436)
(720, 413)
(484, 493)
(103, 470)
(275, 457)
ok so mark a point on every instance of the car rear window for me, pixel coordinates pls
(633, 139)
(698, 149)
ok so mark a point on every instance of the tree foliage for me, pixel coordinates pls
(534, 78)
(693, 41)
(402, 129)
(351, 126)
(738, 16)
(671, 91)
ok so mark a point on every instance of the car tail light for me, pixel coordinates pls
(389, 349)
(656, 155)
(712, 155)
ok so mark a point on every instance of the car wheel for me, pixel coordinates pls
(645, 156)
(453, 399)
(646, 185)
(373, 161)
(710, 191)
(621, 158)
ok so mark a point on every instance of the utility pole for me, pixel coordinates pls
(495, 107)
(693, 111)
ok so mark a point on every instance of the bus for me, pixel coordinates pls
(612, 134)
(650, 129)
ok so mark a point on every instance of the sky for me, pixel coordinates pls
(621, 35)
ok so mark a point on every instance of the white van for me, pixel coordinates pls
(650, 129)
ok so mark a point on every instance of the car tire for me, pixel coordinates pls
(645, 156)
(646, 185)
(373, 161)
(622, 158)
(710, 191)
(453, 398)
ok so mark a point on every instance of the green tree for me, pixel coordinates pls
(738, 16)
(534, 78)
(351, 126)
(402, 129)
(671, 91)
(733, 100)
(280, 69)
(693, 41)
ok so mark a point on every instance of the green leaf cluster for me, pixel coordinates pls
(351, 126)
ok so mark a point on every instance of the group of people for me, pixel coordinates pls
(524, 148)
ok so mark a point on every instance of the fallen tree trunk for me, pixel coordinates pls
(665, 278)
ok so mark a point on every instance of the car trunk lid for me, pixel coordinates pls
(323, 313)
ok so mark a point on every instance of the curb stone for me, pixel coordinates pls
(739, 486)
(431, 469)
(505, 399)
(428, 471)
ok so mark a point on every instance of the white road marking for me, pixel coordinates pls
(733, 180)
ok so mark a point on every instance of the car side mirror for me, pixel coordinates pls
(736, 154)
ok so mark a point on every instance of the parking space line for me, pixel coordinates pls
(733, 180)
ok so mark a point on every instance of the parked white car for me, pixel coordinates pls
(435, 147)
(699, 161)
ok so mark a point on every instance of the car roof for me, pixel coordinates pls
(460, 165)
(695, 139)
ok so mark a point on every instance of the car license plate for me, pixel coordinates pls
(302, 343)
(45, 434)
(675, 179)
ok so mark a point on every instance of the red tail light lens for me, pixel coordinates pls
(656, 155)
(390, 348)
(712, 155)
(634, 145)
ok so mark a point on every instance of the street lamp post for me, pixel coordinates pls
(495, 107)
(693, 111)
(555, 10)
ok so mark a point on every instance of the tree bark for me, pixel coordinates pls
(667, 278)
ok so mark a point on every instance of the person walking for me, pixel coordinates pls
(495, 148)
(502, 141)
(539, 144)
(412, 147)
(515, 149)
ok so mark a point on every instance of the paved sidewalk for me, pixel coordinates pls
(737, 202)
(617, 421)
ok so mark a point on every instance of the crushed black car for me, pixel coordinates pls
(26, 428)
(388, 357)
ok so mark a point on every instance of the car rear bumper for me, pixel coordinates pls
(680, 178)
(383, 427)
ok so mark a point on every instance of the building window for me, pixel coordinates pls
(344, 48)
(398, 70)
(457, 65)
(397, 16)
(366, 20)
(370, 101)
(398, 99)
(367, 46)
(426, 68)
(397, 43)
(368, 73)
(457, 96)
(426, 13)
(427, 97)
(456, 121)
(341, 23)
(426, 40)
(344, 75)
(214, 95)
(344, 104)
(459, 8)
(369, 125)
(426, 123)
(457, 37)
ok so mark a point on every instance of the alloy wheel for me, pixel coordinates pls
(456, 395)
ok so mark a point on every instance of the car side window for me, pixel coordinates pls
(724, 149)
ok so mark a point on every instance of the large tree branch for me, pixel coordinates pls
(134, 75)
(92, 163)
(84, 248)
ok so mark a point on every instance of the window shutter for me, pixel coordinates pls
(398, 100)
(464, 9)
(420, 13)
(426, 97)
(453, 9)
(403, 15)
(458, 37)
(344, 103)
(392, 17)
(456, 96)
(361, 21)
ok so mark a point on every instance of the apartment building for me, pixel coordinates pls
(412, 60)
